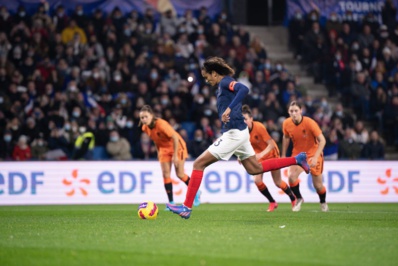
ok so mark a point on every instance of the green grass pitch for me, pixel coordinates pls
(216, 234)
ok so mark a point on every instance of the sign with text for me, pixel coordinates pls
(223, 182)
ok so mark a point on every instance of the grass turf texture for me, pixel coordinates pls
(216, 234)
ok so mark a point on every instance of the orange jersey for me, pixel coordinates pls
(304, 135)
(162, 134)
(259, 137)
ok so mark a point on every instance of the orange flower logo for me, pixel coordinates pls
(76, 182)
(388, 182)
(176, 182)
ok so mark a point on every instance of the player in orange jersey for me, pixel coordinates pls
(265, 148)
(306, 136)
(171, 149)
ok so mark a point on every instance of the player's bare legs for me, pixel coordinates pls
(294, 173)
(204, 160)
(321, 190)
(258, 180)
(277, 177)
(168, 186)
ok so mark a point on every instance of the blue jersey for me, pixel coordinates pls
(230, 94)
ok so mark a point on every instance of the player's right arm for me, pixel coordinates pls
(285, 145)
(285, 140)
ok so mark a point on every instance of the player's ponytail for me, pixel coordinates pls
(218, 65)
(246, 110)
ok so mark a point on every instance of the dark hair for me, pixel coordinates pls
(246, 110)
(147, 108)
(294, 103)
(217, 65)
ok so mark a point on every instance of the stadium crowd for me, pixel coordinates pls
(357, 59)
(72, 84)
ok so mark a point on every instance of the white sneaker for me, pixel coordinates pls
(297, 207)
(324, 207)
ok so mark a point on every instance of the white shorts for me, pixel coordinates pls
(234, 141)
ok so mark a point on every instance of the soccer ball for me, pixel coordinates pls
(148, 210)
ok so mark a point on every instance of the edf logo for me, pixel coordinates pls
(337, 181)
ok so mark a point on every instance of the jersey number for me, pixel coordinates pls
(217, 142)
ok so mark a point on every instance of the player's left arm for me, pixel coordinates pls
(321, 144)
(174, 137)
(241, 92)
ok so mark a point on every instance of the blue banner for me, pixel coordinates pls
(359, 8)
(214, 6)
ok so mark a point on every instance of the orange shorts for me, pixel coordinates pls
(166, 155)
(318, 169)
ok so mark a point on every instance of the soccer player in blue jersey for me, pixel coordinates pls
(235, 139)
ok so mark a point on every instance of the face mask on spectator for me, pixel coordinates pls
(355, 46)
(7, 138)
(164, 101)
(123, 101)
(114, 138)
(129, 124)
(198, 139)
(76, 114)
(117, 78)
(15, 127)
(207, 112)
(267, 66)
(79, 12)
(40, 143)
(127, 32)
(201, 100)
(22, 13)
(67, 127)
(154, 75)
(338, 57)
(200, 31)
(339, 113)
(95, 75)
(110, 127)
(299, 16)
(314, 17)
(73, 88)
(279, 67)
(223, 16)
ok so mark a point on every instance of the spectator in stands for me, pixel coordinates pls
(39, 148)
(388, 14)
(198, 145)
(21, 150)
(6, 146)
(145, 149)
(118, 147)
(374, 148)
(68, 34)
(360, 92)
(331, 150)
(348, 148)
(360, 134)
(84, 145)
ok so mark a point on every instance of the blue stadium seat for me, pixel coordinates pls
(100, 153)
(190, 127)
